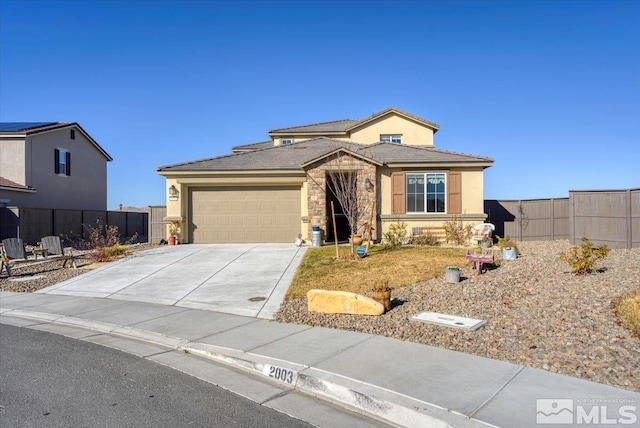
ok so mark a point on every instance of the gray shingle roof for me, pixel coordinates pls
(337, 126)
(291, 157)
(253, 146)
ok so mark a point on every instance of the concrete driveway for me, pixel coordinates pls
(242, 279)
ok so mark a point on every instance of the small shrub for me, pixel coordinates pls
(396, 235)
(426, 239)
(628, 312)
(107, 254)
(104, 239)
(456, 232)
(583, 259)
(505, 242)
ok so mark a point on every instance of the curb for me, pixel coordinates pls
(352, 394)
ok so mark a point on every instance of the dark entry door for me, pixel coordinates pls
(342, 225)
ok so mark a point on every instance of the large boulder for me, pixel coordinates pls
(342, 302)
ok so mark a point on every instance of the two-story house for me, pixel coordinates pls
(273, 190)
(51, 165)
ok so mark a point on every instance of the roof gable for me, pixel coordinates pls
(394, 111)
(342, 150)
(20, 129)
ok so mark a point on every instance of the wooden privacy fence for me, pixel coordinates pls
(610, 217)
(32, 224)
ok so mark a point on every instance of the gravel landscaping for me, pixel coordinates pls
(30, 278)
(538, 314)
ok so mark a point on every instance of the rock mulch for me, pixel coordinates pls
(538, 314)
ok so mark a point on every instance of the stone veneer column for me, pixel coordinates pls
(319, 212)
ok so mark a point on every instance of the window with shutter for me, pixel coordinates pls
(62, 162)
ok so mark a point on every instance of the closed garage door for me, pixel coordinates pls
(244, 214)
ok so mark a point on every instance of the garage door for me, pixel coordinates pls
(244, 214)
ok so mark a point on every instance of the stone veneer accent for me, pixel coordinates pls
(317, 187)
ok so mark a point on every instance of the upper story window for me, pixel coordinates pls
(426, 193)
(391, 138)
(73, 134)
(62, 162)
(286, 141)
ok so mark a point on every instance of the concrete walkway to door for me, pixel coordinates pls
(241, 279)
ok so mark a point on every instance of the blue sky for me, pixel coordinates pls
(550, 90)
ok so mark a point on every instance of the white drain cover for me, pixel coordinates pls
(449, 320)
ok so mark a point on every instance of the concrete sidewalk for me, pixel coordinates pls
(402, 383)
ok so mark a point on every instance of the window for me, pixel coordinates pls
(73, 134)
(426, 193)
(62, 162)
(391, 138)
(286, 141)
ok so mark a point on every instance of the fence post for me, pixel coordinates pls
(521, 214)
(553, 220)
(572, 220)
(629, 223)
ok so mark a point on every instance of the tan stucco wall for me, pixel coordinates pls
(85, 188)
(412, 133)
(472, 201)
(300, 138)
(12, 160)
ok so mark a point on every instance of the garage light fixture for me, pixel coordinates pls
(173, 193)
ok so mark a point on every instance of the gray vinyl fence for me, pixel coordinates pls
(157, 226)
(610, 217)
(32, 224)
(529, 219)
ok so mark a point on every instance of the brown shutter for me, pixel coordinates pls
(397, 193)
(454, 193)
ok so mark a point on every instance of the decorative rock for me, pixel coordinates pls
(342, 302)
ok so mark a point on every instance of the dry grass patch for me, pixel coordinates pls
(401, 267)
(628, 311)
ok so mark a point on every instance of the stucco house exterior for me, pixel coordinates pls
(51, 165)
(273, 190)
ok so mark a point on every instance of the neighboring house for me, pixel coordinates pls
(51, 165)
(271, 191)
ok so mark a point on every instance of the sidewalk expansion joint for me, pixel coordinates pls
(485, 402)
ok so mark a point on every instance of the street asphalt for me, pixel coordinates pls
(186, 305)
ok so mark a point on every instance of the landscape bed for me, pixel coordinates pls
(538, 314)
